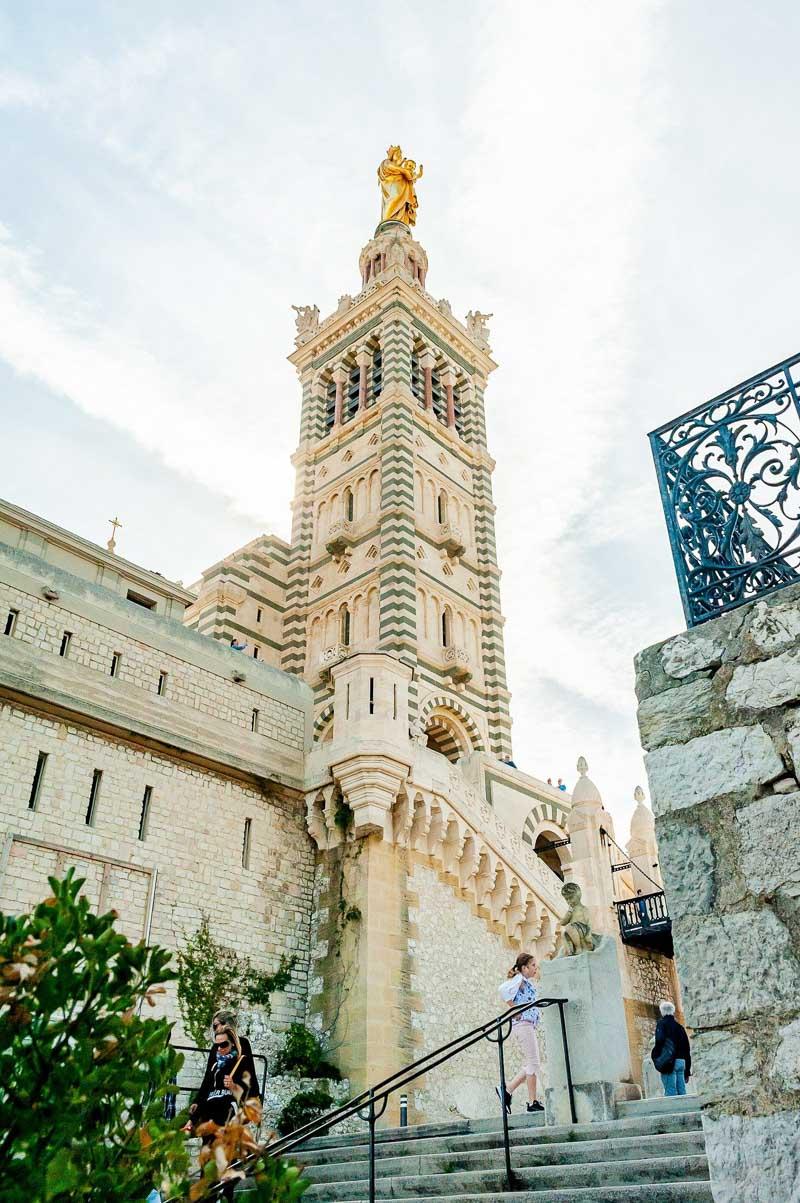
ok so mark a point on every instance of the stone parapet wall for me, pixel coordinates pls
(719, 717)
(189, 863)
(93, 643)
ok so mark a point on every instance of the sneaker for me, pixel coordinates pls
(535, 1106)
(507, 1098)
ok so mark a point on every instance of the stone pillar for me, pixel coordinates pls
(339, 378)
(590, 860)
(449, 382)
(363, 359)
(642, 848)
(719, 718)
(426, 361)
(596, 1033)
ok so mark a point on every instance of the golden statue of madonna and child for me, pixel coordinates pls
(397, 178)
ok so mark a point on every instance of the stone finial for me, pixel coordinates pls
(643, 822)
(585, 790)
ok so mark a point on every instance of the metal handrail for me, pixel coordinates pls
(497, 1031)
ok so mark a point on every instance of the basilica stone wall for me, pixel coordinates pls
(457, 963)
(170, 802)
(719, 717)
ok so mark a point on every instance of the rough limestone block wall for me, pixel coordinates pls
(719, 717)
(193, 838)
(457, 965)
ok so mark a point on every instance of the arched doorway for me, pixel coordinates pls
(552, 857)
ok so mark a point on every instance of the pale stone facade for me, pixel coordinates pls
(344, 783)
(150, 777)
(718, 717)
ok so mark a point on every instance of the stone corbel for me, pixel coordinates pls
(321, 817)
(421, 823)
(370, 785)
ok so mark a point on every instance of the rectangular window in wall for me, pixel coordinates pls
(148, 603)
(256, 650)
(372, 695)
(254, 721)
(258, 615)
(66, 640)
(162, 684)
(116, 660)
(144, 816)
(94, 794)
(38, 778)
(248, 826)
(11, 622)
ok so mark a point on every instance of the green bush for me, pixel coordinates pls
(304, 1055)
(304, 1107)
(211, 976)
(83, 1075)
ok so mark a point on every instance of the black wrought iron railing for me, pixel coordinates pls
(371, 1104)
(645, 913)
(729, 475)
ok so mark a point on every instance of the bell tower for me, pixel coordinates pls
(393, 544)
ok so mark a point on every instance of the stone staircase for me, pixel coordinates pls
(653, 1153)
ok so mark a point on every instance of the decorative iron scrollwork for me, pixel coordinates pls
(729, 474)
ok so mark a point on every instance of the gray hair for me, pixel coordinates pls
(666, 1008)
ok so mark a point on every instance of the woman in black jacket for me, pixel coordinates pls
(227, 1019)
(671, 1054)
(228, 1082)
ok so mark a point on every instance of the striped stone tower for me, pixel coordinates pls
(393, 544)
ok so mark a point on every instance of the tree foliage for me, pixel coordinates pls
(305, 1055)
(211, 976)
(83, 1074)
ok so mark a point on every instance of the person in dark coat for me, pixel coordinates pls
(229, 1081)
(228, 1019)
(676, 1073)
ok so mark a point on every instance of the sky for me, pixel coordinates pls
(615, 182)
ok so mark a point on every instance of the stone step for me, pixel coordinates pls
(625, 1172)
(465, 1140)
(682, 1144)
(687, 1191)
(424, 1131)
(661, 1106)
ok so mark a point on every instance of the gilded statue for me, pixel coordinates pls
(576, 931)
(397, 178)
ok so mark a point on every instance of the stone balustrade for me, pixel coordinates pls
(340, 536)
(330, 656)
(457, 663)
(452, 539)
(461, 835)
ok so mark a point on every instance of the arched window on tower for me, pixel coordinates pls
(438, 397)
(350, 403)
(417, 379)
(330, 404)
(447, 627)
(348, 504)
(344, 626)
(441, 507)
(458, 410)
(375, 377)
